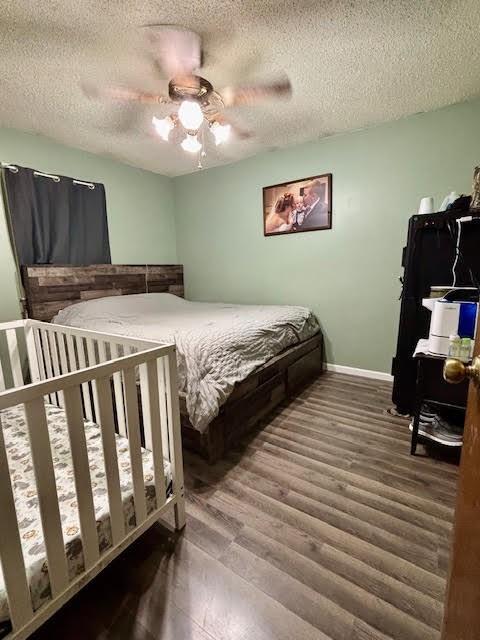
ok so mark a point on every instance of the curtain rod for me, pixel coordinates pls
(14, 169)
(46, 175)
(90, 185)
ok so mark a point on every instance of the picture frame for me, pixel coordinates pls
(298, 205)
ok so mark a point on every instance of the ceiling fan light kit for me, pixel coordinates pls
(190, 115)
(199, 104)
(191, 143)
(163, 126)
(221, 132)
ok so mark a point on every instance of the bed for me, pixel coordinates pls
(236, 362)
(75, 493)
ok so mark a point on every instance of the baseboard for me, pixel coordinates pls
(364, 373)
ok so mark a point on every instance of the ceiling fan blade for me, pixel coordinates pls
(253, 94)
(122, 94)
(241, 134)
(124, 121)
(177, 51)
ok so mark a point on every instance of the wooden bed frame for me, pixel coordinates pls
(50, 288)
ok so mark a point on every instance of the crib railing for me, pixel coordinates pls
(122, 384)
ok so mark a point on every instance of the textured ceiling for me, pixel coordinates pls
(352, 64)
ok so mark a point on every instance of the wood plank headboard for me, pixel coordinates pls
(50, 288)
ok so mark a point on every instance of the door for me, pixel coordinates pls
(462, 605)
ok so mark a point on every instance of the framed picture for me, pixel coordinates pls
(299, 205)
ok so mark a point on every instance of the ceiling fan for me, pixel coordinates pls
(178, 54)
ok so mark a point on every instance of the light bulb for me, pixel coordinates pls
(191, 144)
(163, 126)
(221, 132)
(191, 115)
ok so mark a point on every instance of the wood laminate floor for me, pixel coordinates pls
(321, 527)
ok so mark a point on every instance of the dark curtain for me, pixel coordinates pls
(56, 221)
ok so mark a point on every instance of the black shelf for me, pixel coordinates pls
(431, 388)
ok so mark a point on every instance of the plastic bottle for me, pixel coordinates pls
(465, 349)
(454, 346)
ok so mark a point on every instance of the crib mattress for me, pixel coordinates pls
(26, 501)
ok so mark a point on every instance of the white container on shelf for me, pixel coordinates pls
(426, 205)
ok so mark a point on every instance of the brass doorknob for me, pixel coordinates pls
(455, 371)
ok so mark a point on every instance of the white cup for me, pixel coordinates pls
(426, 205)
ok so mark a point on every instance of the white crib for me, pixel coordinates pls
(104, 389)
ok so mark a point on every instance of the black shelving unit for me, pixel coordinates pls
(427, 261)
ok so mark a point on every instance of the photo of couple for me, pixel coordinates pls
(303, 205)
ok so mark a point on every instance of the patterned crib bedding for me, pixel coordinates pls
(26, 502)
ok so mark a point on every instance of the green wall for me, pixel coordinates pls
(349, 275)
(139, 205)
